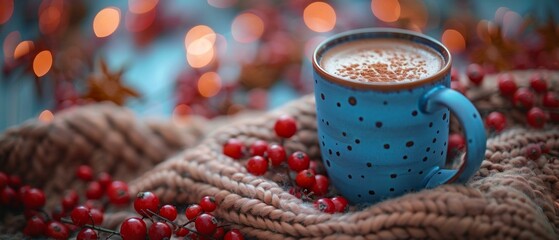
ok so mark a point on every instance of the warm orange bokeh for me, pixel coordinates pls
(49, 19)
(139, 22)
(42, 63)
(319, 17)
(6, 10)
(199, 32)
(453, 40)
(46, 116)
(199, 44)
(247, 27)
(386, 10)
(415, 12)
(209, 84)
(200, 60)
(141, 6)
(23, 48)
(106, 22)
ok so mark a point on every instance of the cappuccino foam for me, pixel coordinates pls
(382, 60)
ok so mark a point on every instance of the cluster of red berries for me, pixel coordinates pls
(537, 100)
(40, 223)
(201, 223)
(307, 179)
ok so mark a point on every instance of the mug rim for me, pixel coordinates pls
(395, 33)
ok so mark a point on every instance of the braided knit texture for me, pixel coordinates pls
(510, 197)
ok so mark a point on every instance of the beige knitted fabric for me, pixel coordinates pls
(511, 197)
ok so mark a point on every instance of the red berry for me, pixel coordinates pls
(258, 148)
(8, 197)
(340, 204)
(523, 97)
(181, 232)
(87, 234)
(80, 216)
(234, 148)
(507, 85)
(85, 173)
(536, 117)
(70, 200)
(550, 100)
(94, 190)
(305, 179)
(456, 144)
(208, 204)
(320, 187)
(133, 229)
(193, 211)
(3, 180)
(325, 205)
(293, 191)
(21, 192)
(285, 126)
(233, 234)
(276, 154)
(454, 75)
(496, 121)
(205, 224)
(104, 179)
(298, 161)
(475, 73)
(538, 83)
(159, 231)
(14, 181)
(169, 212)
(533, 151)
(219, 232)
(146, 204)
(257, 165)
(96, 215)
(34, 199)
(118, 193)
(57, 230)
(35, 226)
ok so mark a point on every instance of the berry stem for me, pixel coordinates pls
(178, 225)
(102, 229)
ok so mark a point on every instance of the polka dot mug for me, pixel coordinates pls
(383, 139)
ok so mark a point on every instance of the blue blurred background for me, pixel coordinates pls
(219, 57)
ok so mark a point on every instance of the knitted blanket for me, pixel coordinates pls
(510, 197)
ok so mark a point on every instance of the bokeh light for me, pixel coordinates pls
(222, 3)
(247, 27)
(209, 84)
(23, 48)
(199, 44)
(49, 18)
(6, 10)
(319, 17)
(10, 43)
(453, 40)
(46, 116)
(42, 63)
(106, 22)
(386, 10)
(141, 6)
(415, 12)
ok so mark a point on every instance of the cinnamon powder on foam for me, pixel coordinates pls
(382, 60)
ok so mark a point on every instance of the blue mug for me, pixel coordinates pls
(380, 140)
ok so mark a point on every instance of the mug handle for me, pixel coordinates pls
(474, 132)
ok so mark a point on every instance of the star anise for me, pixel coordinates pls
(108, 86)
